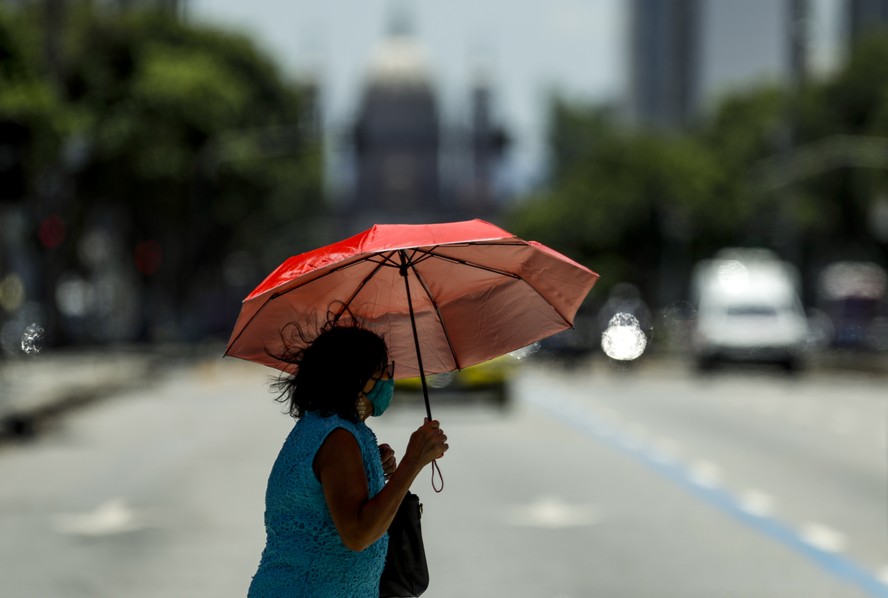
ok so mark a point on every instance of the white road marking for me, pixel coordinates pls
(637, 430)
(603, 431)
(704, 473)
(552, 513)
(630, 442)
(113, 516)
(707, 474)
(756, 502)
(611, 415)
(665, 450)
(823, 537)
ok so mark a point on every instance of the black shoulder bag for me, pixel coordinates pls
(406, 573)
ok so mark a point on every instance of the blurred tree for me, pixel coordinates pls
(802, 171)
(32, 117)
(857, 94)
(186, 141)
(33, 124)
(619, 197)
(745, 128)
(846, 119)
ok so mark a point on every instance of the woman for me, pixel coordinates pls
(333, 491)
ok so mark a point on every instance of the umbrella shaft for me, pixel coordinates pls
(422, 377)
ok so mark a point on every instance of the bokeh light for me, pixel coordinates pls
(75, 297)
(32, 339)
(623, 340)
(12, 293)
(148, 257)
(51, 232)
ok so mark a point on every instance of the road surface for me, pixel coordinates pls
(596, 482)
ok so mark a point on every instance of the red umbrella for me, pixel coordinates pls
(443, 296)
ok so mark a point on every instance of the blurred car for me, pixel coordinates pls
(854, 298)
(748, 310)
(489, 379)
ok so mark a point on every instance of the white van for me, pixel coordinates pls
(748, 310)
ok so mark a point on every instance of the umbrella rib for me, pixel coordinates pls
(549, 303)
(384, 261)
(426, 255)
(428, 293)
(360, 287)
(429, 253)
(432, 253)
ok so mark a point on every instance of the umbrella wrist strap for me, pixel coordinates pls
(436, 472)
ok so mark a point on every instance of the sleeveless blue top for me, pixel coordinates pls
(304, 554)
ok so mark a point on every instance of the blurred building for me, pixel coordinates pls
(685, 54)
(410, 163)
(864, 16)
(664, 77)
(397, 136)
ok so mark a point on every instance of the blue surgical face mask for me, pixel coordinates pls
(380, 396)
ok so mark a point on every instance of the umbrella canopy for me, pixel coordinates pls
(459, 292)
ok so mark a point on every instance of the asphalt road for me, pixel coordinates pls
(595, 483)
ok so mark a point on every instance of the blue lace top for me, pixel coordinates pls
(304, 555)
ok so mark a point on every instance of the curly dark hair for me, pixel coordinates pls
(330, 370)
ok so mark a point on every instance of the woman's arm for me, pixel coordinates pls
(359, 520)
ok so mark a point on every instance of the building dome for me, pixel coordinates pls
(398, 61)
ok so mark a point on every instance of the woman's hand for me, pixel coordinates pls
(389, 463)
(426, 444)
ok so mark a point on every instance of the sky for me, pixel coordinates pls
(529, 49)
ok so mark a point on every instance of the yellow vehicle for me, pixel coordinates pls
(489, 378)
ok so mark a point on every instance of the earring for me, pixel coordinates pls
(361, 407)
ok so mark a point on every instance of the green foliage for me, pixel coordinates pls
(843, 114)
(162, 96)
(747, 126)
(188, 135)
(618, 194)
(28, 101)
(857, 95)
(620, 199)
